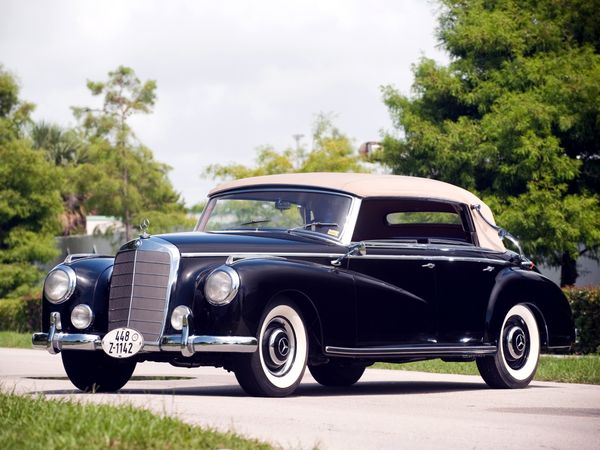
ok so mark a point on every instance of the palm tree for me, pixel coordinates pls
(63, 149)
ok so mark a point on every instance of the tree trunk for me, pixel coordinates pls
(568, 270)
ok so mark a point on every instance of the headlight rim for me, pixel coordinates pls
(71, 280)
(233, 291)
(90, 312)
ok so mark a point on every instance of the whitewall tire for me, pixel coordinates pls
(515, 363)
(277, 367)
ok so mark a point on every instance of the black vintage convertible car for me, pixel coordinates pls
(330, 271)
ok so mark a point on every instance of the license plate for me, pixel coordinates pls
(122, 342)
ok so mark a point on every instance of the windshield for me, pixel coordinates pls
(290, 211)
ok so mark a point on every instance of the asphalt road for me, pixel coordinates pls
(385, 410)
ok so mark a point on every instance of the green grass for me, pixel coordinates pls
(34, 423)
(15, 340)
(567, 369)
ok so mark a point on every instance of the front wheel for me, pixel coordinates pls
(95, 371)
(515, 362)
(276, 369)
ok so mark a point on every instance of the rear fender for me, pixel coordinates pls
(546, 300)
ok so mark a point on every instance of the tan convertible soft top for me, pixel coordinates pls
(374, 185)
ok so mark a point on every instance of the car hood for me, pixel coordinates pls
(198, 242)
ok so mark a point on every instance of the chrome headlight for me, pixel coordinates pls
(221, 285)
(60, 284)
(82, 316)
(177, 316)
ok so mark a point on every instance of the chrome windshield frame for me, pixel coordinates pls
(345, 237)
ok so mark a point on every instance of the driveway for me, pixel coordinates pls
(385, 410)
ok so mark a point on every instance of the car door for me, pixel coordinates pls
(465, 279)
(395, 287)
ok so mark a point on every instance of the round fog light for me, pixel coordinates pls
(177, 316)
(82, 316)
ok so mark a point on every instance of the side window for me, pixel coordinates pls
(413, 220)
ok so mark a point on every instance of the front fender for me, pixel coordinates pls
(92, 288)
(323, 293)
(548, 302)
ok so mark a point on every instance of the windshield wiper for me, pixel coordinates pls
(254, 222)
(315, 224)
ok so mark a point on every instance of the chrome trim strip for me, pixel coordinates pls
(434, 258)
(242, 255)
(135, 255)
(408, 350)
(220, 344)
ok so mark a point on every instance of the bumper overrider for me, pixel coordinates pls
(55, 340)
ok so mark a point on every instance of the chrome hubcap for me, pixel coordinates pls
(516, 342)
(279, 346)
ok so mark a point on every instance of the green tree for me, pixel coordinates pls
(124, 179)
(30, 202)
(62, 147)
(65, 149)
(332, 152)
(515, 116)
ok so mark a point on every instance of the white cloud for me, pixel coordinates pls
(231, 75)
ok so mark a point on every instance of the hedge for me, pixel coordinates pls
(24, 315)
(585, 304)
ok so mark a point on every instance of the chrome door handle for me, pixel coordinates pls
(429, 265)
(488, 269)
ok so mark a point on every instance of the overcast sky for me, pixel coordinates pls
(231, 75)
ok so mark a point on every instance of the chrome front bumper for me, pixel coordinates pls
(54, 341)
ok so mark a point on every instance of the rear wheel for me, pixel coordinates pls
(335, 374)
(95, 371)
(276, 369)
(515, 362)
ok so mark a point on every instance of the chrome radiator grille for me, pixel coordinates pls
(140, 290)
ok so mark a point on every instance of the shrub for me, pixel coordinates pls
(585, 304)
(22, 315)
